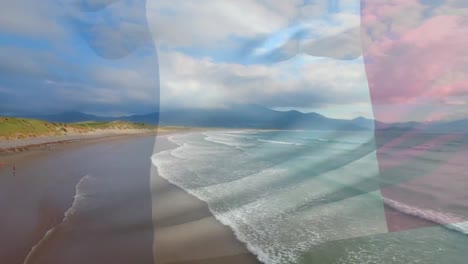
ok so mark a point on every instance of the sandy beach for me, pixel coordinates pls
(185, 229)
(46, 142)
(116, 216)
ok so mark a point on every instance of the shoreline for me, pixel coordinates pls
(185, 230)
(184, 223)
(23, 144)
(16, 147)
(10, 147)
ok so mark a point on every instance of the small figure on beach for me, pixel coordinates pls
(14, 170)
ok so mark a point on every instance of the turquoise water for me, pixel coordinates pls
(308, 197)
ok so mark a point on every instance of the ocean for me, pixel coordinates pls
(330, 197)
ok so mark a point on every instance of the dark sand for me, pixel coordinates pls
(114, 219)
(186, 231)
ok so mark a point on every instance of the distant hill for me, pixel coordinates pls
(240, 116)
(255, 116)
(248, 116)
(70, 117)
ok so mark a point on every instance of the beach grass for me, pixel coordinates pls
(19, 128)
(22, 127)
(114, 124)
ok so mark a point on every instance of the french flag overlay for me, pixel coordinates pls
(320, 196)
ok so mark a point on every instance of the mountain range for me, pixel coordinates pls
(255, 116)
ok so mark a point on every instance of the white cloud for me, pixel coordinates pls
(113, 29)
(191, 80)
(207, 22)
(201, 23)
(136, 83)
(31, 18)
(300, 82)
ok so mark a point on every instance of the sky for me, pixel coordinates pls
(393, 60)
(76, 55)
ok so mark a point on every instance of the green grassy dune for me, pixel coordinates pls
(112, 125)
(17, 128)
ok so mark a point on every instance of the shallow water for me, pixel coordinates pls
(328, 197)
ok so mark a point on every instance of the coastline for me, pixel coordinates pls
(9, 146)
(23, 147)
(13, 146)
(184, 224)
(185, 231)
(44, 191)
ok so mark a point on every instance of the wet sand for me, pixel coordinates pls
(115, 218)
(186, 231)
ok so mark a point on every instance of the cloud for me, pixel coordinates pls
(416, 55)
(344, 45)
(137, 82)
(16, 62)
(93, 5)
(99, 59)
(30, 18)
(113, 29)
(206, 23)
(40, 81)
(98, 54)
(253, 51)
(299, 82)
(279, 29)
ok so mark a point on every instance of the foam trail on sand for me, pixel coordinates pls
(222, 219)
(225, 139)
(280, 142)
(447, 220)
(78, 202)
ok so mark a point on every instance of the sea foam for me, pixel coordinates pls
(282, 210)
(79, 203)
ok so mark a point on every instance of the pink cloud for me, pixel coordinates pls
(417, 66)
(413, 64)
(375, 11)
